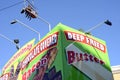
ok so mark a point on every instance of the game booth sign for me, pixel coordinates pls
(63, 54)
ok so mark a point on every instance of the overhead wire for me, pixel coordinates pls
(2, 9)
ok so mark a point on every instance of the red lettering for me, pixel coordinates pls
(91, 58)
(76, 57)
(38, 64)
(96, 60)
(28, 73)
(79, 57)
(86, 56)
(71, 56)
(44, 61)
(24, 76)
(102, 62)
(33, 68)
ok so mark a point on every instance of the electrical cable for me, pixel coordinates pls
(11, 6)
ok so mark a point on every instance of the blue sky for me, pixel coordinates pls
(78, 14)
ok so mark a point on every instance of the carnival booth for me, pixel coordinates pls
(63, 54)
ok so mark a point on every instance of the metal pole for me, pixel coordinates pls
(107, 22)
(6, 38)
(98, 25)
(28, 28)
(3, 36)
(45, 22)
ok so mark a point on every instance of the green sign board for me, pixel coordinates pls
(65, 54)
